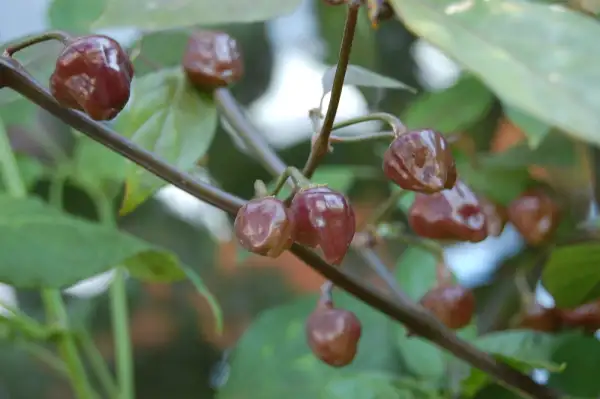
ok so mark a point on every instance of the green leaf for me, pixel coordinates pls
(338, 177)
(96, 165)
(571, 274)
(359, 76)
(500, 184)
(519, 344)
(369, 385)
(43, 247)
(165, 14)
(553, 86)
(74, 16)
(580, 378)
(535, 129)
(416, 274)
(523, 350)
(163, 48)
(556, 150)
(451, 110)
(170, 118)
(276, 341)
(30, 170)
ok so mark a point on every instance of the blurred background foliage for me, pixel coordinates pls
(177, 353)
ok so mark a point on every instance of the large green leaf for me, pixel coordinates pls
(572, 275)
(166, 14)
(524, 350)
(163, 49)
(169, 117)
(538, 58)
(276, 342)
(73, 15)
(42, 247)
(450, 110)
(369, 385)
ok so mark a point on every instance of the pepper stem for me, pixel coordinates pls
(290, 172)
(57, 35)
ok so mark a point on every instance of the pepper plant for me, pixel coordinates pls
(529, 58)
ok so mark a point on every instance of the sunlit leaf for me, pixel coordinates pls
(170, 118)
(553, 86)
(165, 14)
(74, 16)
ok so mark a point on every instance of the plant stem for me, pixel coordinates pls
(119, 311)
(98, 364)
(321, 145)
(45, 37)
(408, 313)
(233, 113)
(120, 322)
(394, 122)
(55, 307)
(361, 137)
(11, 176)
(57, 314)
(45, 356)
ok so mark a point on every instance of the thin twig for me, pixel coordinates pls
(414, 317)
(321, 145)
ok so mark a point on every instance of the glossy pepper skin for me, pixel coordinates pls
(93, 74)
(453, 214)
(452, 304)
(421, 161)
(324, 218)
(535, 215)
(333, 334)
(496, 216)
(265, 226)
(212, 59)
